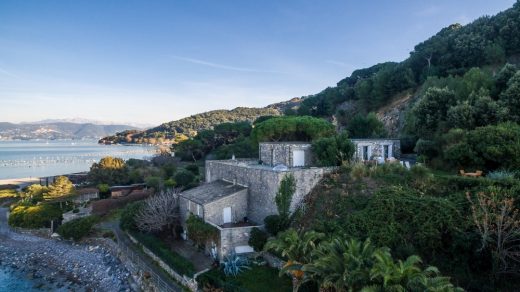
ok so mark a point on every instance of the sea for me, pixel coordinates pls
(11, 280)
(32, 158)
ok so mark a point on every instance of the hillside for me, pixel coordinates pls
(58, 130)
(389, 89)
(488, 43)
(179, 130)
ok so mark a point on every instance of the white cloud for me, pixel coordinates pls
(7, 73)
(222, 66)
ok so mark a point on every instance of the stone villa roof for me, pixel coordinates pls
(210, 192)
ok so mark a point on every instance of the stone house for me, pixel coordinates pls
(377, 149)
(238, 194)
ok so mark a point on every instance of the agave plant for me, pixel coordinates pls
(234, 265)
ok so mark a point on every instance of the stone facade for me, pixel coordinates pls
(233, 237)
(213, 212)
(273, 153)
(263, 182)
(211, 208)
(249, 189)
(369, 149)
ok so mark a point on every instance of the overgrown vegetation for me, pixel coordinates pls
(201, 232)
(160, 249)
(416, 212)
(283, 199)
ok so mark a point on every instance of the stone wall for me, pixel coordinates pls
(188, 282)
(213, 212)
(263, 183)
(273, 153)
(376, 147)
(233, 237)
(185, 208)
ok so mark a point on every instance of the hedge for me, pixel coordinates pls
(77, 228)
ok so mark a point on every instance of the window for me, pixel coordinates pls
(365, 152)
(386, 151)
(199, 210)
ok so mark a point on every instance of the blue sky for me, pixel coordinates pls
(156, 61)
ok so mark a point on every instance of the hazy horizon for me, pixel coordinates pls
(150, 63)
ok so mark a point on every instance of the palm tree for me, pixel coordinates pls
(297, 248)
(389, 275)
(341, 265)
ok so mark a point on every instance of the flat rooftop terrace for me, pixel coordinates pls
(252, 163)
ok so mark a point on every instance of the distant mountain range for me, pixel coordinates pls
(58, 130)
(90, 121)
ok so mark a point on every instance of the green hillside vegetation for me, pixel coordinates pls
(176, 131)
(241, 138)
(453, 51)
(441, 218)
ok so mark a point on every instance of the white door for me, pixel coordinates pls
(227, 215)
(298, 158)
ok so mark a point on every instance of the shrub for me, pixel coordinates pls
(358, 171)
(501, 175)
(392, 219)
(170, 183)
(154, 182)
(104, 191)
(275, 224)
(77, 228)
(184, 178)
(426, 148)
(234, 264)
(388, 169)
(333, 151)
(257, 239)
(199, 231)
(8, 194)
(486, 148)
(193, 168)
(34, 216)
(127, 221)
(160, 249)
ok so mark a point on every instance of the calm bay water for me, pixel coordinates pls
(13, 281)
(20, 159)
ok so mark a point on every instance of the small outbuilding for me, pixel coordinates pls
(377, 149)
(290, 154)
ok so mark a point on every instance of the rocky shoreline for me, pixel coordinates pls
(55, 265)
